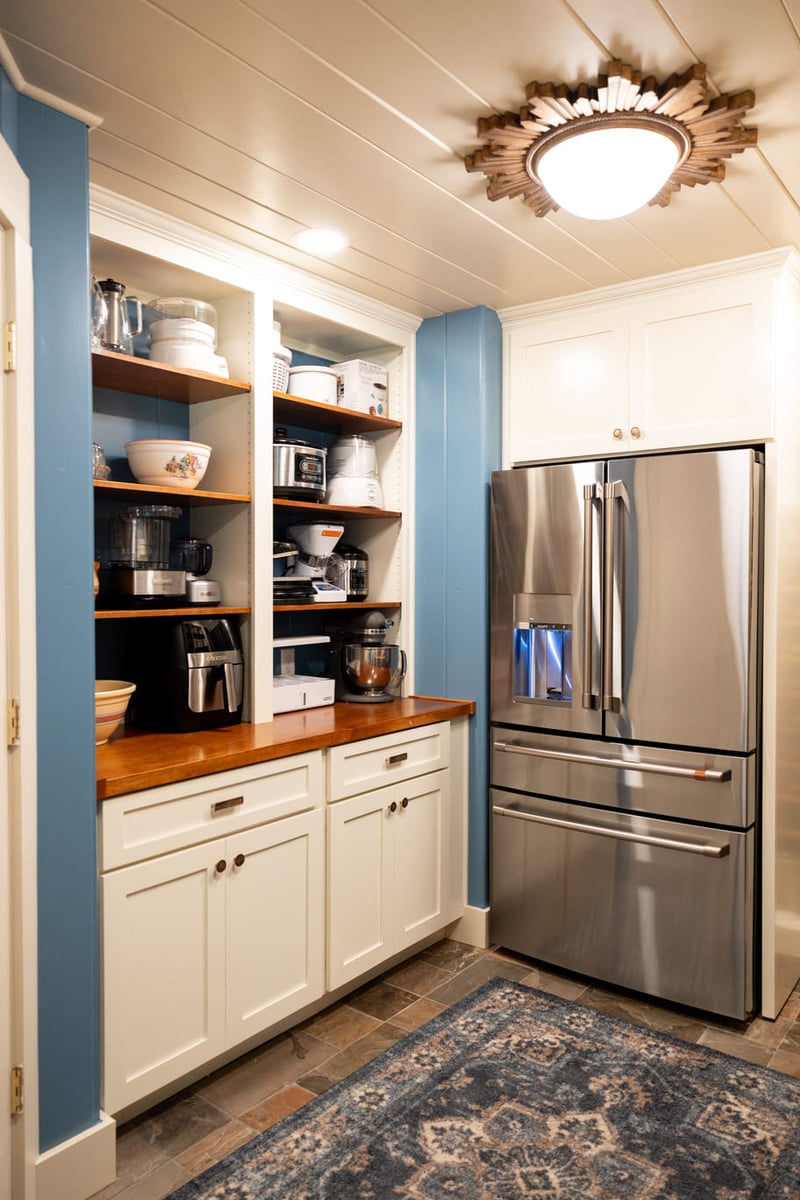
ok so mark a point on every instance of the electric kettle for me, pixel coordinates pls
(114, 328)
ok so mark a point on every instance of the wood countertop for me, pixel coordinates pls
(137, 760)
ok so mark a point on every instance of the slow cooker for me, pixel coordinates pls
(298, 468)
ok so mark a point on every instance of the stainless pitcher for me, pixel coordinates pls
(114, 330)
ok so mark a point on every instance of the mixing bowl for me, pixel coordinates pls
(111, 698)
(161, 462)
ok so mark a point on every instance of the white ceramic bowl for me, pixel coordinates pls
(313, 383)
(161, 462)
(111, 698)
(178, 353)
(183, 328)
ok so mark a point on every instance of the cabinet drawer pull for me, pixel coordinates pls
(396, 758)
(221, 866)
(404, 802)
(221, 805)
(635, 431)
(617, 434)
(393, 806)
(238, 860)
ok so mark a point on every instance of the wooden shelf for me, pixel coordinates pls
(109, 489)
(125, 373)
(332, 511)
(194, 610)
(347, 605)
(329, 418)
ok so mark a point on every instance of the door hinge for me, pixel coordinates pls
(17, 1092)
(10, 346)
(12, 723)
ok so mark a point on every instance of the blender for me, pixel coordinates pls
(194, 556)
(315, 544)
(137, 570)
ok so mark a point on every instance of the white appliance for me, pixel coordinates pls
(316, 543)
(292, 691)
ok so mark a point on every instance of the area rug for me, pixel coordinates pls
(514, 1093)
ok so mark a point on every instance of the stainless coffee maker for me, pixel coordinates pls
(111, 326)
(367, 668)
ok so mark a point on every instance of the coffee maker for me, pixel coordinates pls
(367, 668)
(189, 675)
(137, 572)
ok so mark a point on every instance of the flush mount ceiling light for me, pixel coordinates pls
(602, 151)
(320, 241)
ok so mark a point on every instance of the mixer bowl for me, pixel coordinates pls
(372, 669)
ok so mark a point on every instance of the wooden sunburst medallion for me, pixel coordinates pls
(709, 130)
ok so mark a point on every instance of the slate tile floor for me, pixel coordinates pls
(175, 1141)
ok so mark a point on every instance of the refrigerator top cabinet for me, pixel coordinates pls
(625, 598)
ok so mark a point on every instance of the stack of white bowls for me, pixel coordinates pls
(353, 474)
(185, 335)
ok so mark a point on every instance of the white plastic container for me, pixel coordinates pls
(313, 383)
(352, 455)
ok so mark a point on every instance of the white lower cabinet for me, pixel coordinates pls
(206, 946)
(389, 852)
(213, 902)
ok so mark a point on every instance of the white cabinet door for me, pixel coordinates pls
(360, 884)
(702, 365)
(275, 922)
(163, 942)
(421, 858)
(567, 386)
(388, 864)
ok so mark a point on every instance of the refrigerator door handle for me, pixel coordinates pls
(707, 849)
(613, 491)
(591, 493)
(701, 774)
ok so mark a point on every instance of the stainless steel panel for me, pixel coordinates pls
(541, 551)
(660, 907)
(682, 561)
(693, 785)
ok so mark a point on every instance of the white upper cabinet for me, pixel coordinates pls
(690, 359)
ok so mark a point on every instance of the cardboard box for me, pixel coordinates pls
(362, 386)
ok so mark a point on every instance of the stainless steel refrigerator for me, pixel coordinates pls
(625, 715)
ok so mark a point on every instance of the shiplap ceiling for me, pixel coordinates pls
(255, 118)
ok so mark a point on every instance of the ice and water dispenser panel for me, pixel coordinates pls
(542, 649)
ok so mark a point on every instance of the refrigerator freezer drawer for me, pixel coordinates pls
(656, 906)
(713, 789)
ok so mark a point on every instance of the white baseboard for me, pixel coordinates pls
(472, 927)
(81, 1166)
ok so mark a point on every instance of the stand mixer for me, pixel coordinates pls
(316, 543)
(367, 669)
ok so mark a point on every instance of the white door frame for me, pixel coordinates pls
(19, 1134)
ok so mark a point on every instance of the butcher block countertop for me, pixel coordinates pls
(137, 760)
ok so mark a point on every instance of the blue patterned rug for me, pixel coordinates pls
(513, 1093)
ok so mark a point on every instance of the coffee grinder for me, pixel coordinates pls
(315, 544)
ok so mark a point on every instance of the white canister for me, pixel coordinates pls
(313, 383)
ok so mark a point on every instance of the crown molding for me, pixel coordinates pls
(23, 88)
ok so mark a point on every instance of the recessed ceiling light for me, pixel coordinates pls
(320, 241)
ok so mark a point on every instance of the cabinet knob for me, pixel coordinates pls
(404, 802)
(635, 431)
(221, 866)
(238, 860)
(617, 434)
(393, 806)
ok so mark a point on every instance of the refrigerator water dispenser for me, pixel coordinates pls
(543, 663)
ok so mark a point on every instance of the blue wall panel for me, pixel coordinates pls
(459, 382)
(53, 152)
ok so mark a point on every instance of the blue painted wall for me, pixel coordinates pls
(459, 380)
(52, 150)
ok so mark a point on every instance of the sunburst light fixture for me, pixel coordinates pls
(603, 150)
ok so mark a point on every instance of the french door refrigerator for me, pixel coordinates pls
(625, 715)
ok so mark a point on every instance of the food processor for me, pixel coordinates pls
(367, 669)
(315, 544)
(137, 568)
(195, 557)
